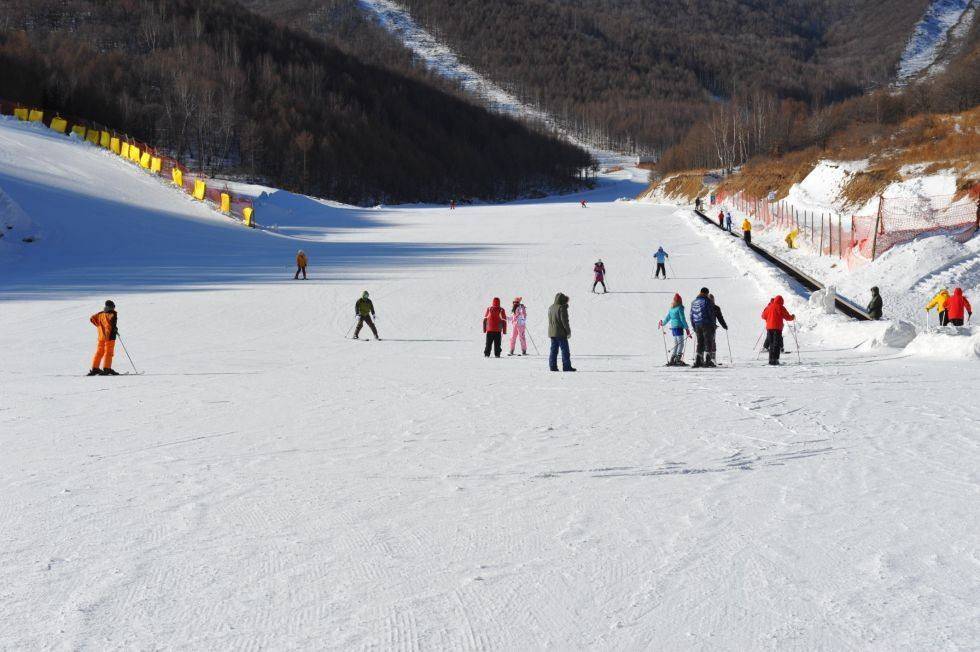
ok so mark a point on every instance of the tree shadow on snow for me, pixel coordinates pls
(90, 244)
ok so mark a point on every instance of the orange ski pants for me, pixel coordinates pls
(104, 353)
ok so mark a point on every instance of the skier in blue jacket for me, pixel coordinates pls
(677, 324)
(705, 324)
(661, 257)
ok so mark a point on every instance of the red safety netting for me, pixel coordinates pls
(853, 239)
(902, 219)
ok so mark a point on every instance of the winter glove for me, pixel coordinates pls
(660, 324)
(689, 335)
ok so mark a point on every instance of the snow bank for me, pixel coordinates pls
(954, 343)
(821, 190)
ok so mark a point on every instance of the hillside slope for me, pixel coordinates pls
(232, 91)
(644, 71)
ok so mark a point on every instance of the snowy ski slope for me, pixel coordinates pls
(440, 58)
(270, 484)
(931, 33)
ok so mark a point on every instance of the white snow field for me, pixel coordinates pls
(269, 484)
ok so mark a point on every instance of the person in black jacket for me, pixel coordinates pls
(718, 316)
(875, 306)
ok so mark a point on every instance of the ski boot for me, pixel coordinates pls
(109, 371)
(94, 371)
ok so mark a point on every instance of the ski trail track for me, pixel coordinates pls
(441, 59)
(269, 484)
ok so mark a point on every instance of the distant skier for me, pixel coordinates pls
(364, 310)
(728, 221)
(747, 231)
(875, 305)
(661, 257)
(107, 324)
(518, 320)
(301, 261)
(599, 269)
(705, 324)
(494, 323)
(721, 219)
(698, 204)
(677, 323)
(584, 205)
(775, 314)
(559, 330)
(452, 204)
(939, 303)
(955, 307)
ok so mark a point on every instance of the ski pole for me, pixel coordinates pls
(756, 345)
(347, 335)
(729, 340)
(671, 266)
(127, 352)
(666, 352)
(792, 329)
(531, 337)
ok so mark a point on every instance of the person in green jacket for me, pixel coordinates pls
(559, 331)
(364, 310)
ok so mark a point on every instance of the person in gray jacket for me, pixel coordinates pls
(559, 331)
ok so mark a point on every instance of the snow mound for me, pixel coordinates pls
(842, 332)
(955, 343)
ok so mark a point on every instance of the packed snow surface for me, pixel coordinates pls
(929, 36)
(268, 483)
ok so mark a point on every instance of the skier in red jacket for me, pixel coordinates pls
(955, 306)
(774, 314)
(494, 323)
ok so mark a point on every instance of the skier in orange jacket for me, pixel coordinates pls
(105, 322)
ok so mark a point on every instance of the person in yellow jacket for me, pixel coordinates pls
(939, 303)
(791, 238)
(300, 264)
(747, 231)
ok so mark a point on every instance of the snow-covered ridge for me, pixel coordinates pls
(930, 35)
(440, 58)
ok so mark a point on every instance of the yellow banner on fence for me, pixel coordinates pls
(21, 114)
(79, 130)
(35, 116)
(92, 136)
(199, 189)
(247, 214)
(114, 145)
(225, 203)
(178, 177)
(145, 160)
(156, 164)
(134, 153)
(104, 137)
(59, 124)
(124, 150)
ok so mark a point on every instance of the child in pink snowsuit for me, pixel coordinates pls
(518, 317)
